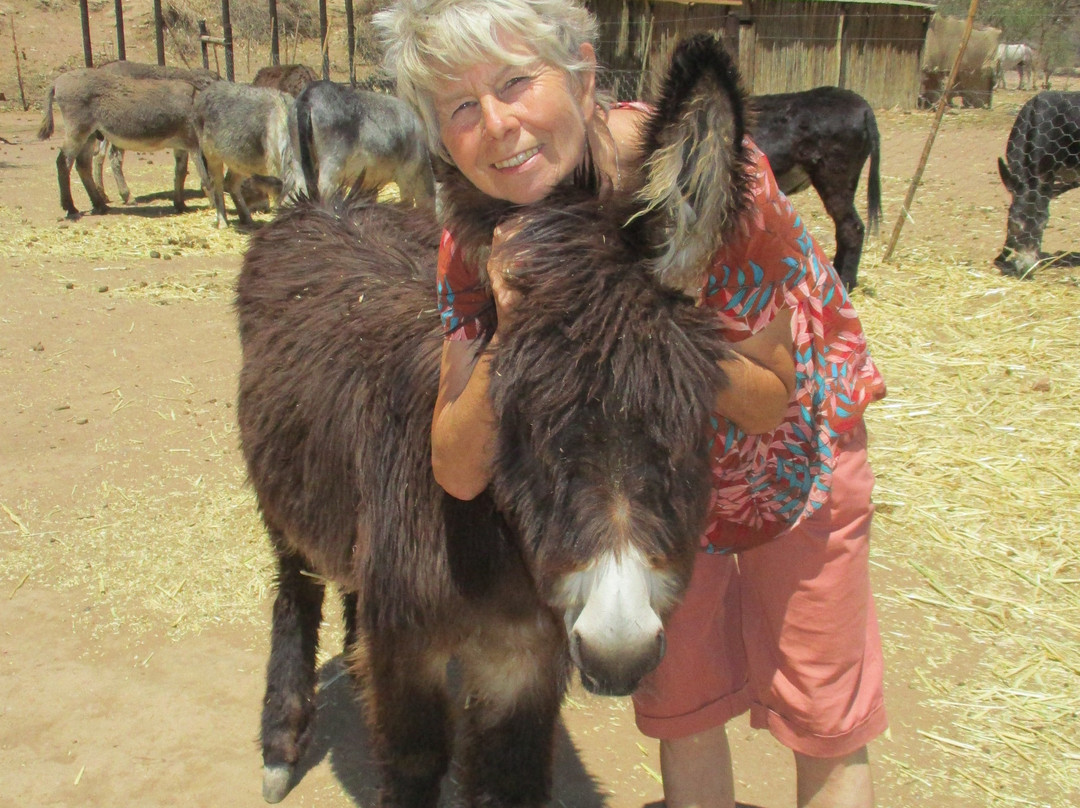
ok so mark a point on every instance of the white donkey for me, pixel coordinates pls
(1020, 58)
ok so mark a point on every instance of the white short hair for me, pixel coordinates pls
(427, 41)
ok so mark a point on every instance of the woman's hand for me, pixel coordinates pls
(501, 264)
(463, 426)
(761, 378)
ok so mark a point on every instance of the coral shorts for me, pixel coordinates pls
(787, 630)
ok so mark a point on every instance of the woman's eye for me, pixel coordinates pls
(464, 114)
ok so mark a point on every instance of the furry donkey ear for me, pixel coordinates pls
(695, 172)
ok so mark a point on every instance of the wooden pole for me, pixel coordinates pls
(275, 55)
(88, 49)
(121, 51)
(323, 33)
(838, 79)
(942, 103)
(204, 36)
(226, 34)
(159, 32)
(350, 27)
(18, 66)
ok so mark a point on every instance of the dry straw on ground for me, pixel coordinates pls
(977, 454)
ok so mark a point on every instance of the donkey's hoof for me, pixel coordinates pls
(276, 782)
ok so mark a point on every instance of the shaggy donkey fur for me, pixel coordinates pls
(604, 394)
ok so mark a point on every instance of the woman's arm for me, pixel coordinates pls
(761, 378)
(463, 426)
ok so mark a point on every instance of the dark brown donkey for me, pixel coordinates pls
(584, 540)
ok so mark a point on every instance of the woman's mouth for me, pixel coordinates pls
(517, 159)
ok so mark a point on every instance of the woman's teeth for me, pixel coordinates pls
(518, 159)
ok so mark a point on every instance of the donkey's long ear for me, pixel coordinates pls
(695, 174)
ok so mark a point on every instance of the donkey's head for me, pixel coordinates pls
(604, 390)
(606, 384)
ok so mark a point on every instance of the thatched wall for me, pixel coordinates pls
(882, 48)
(636, 36)
(872, 48)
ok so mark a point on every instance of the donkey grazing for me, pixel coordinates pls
(1042, 161)
(198, 78)
(246, 129)
(586, 537)
(345, 137)
(138, 114)
(822, 137)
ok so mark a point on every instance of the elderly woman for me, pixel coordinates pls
(779, 618)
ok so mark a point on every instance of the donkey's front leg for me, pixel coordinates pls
(515, 677)
(409, 714)
(289, 705)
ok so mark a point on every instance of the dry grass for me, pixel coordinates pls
(976, 450)
(165, 236)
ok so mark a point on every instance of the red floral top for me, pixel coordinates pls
(762, 484)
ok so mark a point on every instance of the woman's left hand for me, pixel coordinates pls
(500, 265)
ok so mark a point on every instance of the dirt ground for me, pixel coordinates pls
(134, 576)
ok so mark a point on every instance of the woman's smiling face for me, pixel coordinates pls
(516, 131)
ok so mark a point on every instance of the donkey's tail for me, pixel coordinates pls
(46, 129)
(306, 146)
(873, 183)
(696, 173)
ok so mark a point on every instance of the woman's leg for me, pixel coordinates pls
(697, 770)
(842, 782)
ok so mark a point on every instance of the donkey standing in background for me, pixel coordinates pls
(246, 129)
(137, 114)
(600, 487)
(198, 78)
(822, 137)
(346, 137)
(1019, 57)
(291, 79)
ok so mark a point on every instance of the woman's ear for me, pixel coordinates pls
(587, 81)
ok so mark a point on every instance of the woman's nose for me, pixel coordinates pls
(498, 117)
